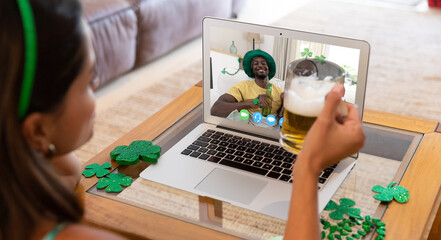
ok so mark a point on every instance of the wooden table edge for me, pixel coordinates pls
(414, 219)
(402, 122)
(438, 128)
(149, 129)
(106, 213)
(135, 223)
(181, 106)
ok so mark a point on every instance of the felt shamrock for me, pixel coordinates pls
(113, 182)
(95, 168)
(321, 59)
(344, 208)
(141, 149)
(400, 194)
(352, 228)
(306, 53)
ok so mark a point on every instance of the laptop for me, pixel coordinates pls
(238, 158)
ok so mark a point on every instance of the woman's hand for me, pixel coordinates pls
(332, 137)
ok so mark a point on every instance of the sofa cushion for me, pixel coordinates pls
(129, 33)
(114, 29)
(166, 24)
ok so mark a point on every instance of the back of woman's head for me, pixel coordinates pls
(29, 188)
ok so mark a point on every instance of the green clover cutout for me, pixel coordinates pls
(141, 149)
(113, 182)
(399, 193)
(95, 168)
(306, 53)
(321, 59)
(344, 208)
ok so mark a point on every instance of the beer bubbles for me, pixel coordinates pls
(305, 93)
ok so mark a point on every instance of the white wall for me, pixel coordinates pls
(221, 39)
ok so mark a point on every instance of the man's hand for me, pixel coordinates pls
(264, 100)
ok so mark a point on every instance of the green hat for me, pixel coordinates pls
(250, 55)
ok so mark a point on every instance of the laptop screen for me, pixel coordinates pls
(248, 63)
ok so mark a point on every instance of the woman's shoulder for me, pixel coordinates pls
(79, 231)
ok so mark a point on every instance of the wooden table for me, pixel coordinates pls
(417, 219)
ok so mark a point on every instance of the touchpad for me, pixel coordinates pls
(231, 185)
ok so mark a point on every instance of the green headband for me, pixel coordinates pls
(30, 40)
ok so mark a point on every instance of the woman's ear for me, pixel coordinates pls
(35, 133)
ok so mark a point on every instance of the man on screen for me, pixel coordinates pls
(251, 95)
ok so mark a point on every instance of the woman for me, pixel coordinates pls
(41, 124)
(47, 114)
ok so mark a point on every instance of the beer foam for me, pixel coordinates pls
(306, 96)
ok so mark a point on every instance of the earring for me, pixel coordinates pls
(51, 150)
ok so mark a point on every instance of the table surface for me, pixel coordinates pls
(146, 210)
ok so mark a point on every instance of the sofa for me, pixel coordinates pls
(131, 33)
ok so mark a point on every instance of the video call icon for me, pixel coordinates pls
(244, 114)
(271, 120)
(257, 117)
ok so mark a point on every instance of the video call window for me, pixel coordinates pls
(285, 59)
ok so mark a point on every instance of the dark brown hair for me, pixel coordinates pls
(29, 188)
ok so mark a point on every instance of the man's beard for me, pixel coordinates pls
(261, 76)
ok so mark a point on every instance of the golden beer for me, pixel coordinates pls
(294, 129)
(304, 100)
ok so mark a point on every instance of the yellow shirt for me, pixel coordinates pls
(248, 90)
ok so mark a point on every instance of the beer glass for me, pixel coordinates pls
(306, 87)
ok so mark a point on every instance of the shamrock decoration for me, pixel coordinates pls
(95, 168)
(350, 228)
(344, 208)
(224, 71)
(113, 182)
(400, 194)
(141, 149)
(321, 59)
(306, 53)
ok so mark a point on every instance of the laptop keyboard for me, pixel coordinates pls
(248, 155)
